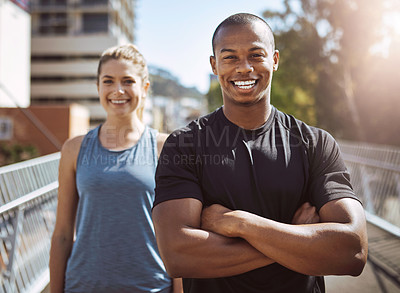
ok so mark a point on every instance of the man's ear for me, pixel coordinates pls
(213, 65)
(276, 60)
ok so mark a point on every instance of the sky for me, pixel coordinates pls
(176, 35)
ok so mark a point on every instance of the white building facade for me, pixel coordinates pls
(68, 37)
(15, 42)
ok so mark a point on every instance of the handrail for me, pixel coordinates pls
(381, 223)
(372, 163)
(28, 197)
(29, 163)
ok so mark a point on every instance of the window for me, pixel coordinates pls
(6, 128)
(53, 2)
(53, 23)
(94, 2)
(95, 22)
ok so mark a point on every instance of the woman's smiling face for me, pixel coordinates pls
(120, 86)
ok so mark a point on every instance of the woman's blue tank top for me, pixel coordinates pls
(115, 248)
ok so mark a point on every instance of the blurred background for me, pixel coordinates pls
(337, 71)
(337, 68)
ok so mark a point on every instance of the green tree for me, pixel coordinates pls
(294, 83)
(214, 96)
(325, 52)
(378, 97)
(13, 153)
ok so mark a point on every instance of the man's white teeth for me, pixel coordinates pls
(118, 101)
(248, 84)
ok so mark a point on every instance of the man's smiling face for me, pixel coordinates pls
(244, 61)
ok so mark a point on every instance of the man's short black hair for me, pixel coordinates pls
(241, 19)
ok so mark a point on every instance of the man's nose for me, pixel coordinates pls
(244, 66)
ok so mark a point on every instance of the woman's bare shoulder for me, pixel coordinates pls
(71, 147)
(161, 138)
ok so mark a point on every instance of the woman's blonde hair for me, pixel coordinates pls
(130, 53)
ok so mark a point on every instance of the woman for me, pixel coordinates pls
(106, 188)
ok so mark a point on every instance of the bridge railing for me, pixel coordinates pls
(375, 176)
(28, 202)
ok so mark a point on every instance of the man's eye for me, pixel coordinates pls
(107, 81)
(229, 57)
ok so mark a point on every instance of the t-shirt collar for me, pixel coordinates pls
(247, 134)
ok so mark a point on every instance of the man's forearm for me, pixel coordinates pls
(189, 251)
(201, 254)
(337, 246)
(317, 249)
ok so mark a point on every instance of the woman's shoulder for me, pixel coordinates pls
(71, 147)
(161, 138)
(73, 144)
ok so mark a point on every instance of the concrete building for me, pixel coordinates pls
(68, 37)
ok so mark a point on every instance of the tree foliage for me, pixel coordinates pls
(214, 96)
(11, 153)
(327, 73)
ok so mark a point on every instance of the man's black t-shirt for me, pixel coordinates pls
(270, 171)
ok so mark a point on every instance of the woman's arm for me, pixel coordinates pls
(177, 285)
(176, 282)
(62, 240)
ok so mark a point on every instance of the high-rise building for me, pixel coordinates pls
(68, 37)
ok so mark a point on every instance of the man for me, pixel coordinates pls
(228, 185)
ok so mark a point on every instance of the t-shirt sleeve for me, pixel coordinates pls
(329, 178)
(177, 173)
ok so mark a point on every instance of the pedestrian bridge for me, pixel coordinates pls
(28, 201)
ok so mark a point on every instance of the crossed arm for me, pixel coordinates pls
(217, 242)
